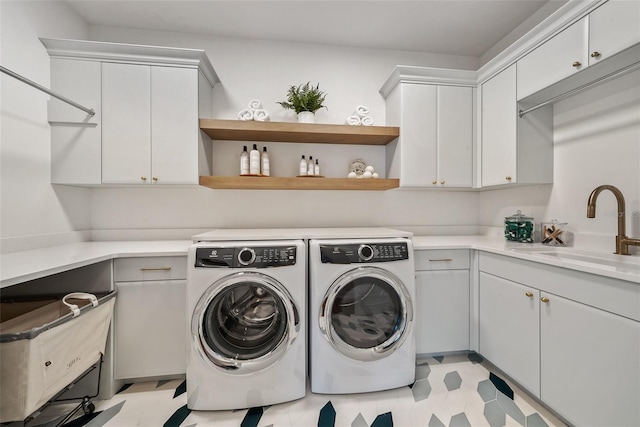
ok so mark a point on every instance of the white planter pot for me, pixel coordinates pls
(306, 117)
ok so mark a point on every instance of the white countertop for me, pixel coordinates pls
(20, 267)
(617, 266)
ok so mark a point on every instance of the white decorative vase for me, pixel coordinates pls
(306, 117)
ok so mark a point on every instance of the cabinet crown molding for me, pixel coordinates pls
(565, 16)
(131, 53)
(428, 75)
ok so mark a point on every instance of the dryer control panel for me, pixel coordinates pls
(242, 256)
(363, 253)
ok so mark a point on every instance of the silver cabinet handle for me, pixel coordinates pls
(155, 269)
(441, 260)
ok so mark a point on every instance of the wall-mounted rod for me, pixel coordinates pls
(45, 90)
(581, 88)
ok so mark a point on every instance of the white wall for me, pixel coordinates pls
(596, 141)
(264, 70)
(32, 212)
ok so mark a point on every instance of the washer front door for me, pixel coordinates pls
(366, 314)
(245, 322)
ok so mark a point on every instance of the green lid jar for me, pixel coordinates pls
(519, 228)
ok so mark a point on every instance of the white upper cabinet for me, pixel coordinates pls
(558, 58)
(613, 27)
(455, 136)
(514, 150)
(434, 110)
(126, 127)
(499, 128)
(148, 102)
(610, 29)
(149, 113)
(174, 114)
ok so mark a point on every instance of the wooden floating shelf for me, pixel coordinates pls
(293, 183)
(240, 130)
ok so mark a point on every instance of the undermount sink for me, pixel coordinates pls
(613, 261)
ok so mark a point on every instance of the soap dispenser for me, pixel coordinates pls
(254, 161)
(303, 166)
(310, 168)
(265, 162)
(244, 162)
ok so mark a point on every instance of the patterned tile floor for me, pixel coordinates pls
(457, 390)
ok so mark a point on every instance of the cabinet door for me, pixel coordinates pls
(126, 123)
(442, 311)
(150, 329)
(559, 57)
(590, 364)
(418, 135)
(613, 27)
(455, 136)
(509, 329)
(499, 128)
(174, 125)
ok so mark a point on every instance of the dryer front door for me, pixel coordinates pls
(366, 314)
(244, 322)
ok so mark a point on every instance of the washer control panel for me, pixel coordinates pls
(243, 256)
(363, 253)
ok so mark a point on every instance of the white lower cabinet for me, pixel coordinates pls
(590, 364)
(509, 322)
(442, 301)
(570, 338)
(149, 318)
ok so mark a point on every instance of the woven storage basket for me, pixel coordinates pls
(45, 345)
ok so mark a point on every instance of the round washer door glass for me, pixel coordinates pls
(367, 313)
(245, 322)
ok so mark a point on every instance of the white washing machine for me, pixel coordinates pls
(361, 305)
(246, 311)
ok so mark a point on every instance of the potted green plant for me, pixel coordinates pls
(305, 100)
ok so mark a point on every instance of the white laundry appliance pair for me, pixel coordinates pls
(252, 304)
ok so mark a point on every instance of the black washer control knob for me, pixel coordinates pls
(365, 252)
(246, 256)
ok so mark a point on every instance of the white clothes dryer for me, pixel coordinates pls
(361, 305)
(247, 324)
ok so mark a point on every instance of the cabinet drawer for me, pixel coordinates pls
(150, 268)
(442, 259)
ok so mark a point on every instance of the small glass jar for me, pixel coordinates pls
(519, 228)
(554, 233)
